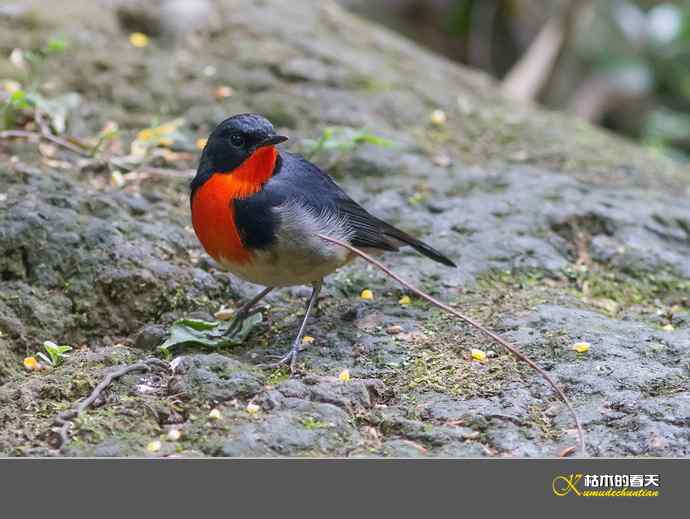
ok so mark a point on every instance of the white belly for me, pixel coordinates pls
(298, 256)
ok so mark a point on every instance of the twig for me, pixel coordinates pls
(115, 161)
(508, 346)
(23, 134)
(65, 418)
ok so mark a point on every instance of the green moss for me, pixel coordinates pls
(311, 423)
(277, 376)
(543, 422)
(613, 290)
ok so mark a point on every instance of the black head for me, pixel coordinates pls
(232, 142)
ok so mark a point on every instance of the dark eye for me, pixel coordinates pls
(237, 140)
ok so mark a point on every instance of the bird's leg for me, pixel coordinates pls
(245, 311)
(291, 357)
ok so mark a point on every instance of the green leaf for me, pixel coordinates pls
(198, 324)
(56, 45)
(56, 353)
(19, 100)
(44, 358)
(188, 332)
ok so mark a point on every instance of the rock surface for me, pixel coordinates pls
(562, 233)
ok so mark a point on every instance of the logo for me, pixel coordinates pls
(606, 485)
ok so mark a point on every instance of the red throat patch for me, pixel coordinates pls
(213, 214)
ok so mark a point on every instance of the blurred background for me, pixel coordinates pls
(621, 64)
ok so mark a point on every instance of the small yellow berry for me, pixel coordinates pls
(31, 363)
(581, 347)
(344, 375)
(478, 354)
(405, 300)
(139, 39)
(367, 295)
(215, 414)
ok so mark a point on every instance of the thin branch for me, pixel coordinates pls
(115, 161)
(508, 346)
(23, 134)
(65, 418)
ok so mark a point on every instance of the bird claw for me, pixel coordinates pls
(240, 317)
(289, 359)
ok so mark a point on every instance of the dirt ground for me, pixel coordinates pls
(562, 234)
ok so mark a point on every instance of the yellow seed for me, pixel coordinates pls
(174, 435)
(581, 347)
(367, 295)
(252, 408)
(307, 339)
(344, 375)
(405, 300)
(201, 143)
(31, 363)
(438, 117)
(215, 414)
(478, 354)
(154, 446)
(138, 39)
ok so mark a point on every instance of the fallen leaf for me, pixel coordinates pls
(405, 300)
(224, 314)
(567, 452)
(344, 375)
(307, 339)
(197, 332)
(215, 414)
(367, 295)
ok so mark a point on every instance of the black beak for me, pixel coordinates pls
(272, 140)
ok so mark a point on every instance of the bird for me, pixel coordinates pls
(258, 211)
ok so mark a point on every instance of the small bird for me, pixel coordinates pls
(257, 211)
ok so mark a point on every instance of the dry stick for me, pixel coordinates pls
(23, 134)
(64, 419)
(511, 348)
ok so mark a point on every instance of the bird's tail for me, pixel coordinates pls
(419, 246)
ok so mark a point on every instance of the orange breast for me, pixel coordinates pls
(213, 214)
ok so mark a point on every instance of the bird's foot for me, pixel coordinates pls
(241, 315)
(289, 359)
